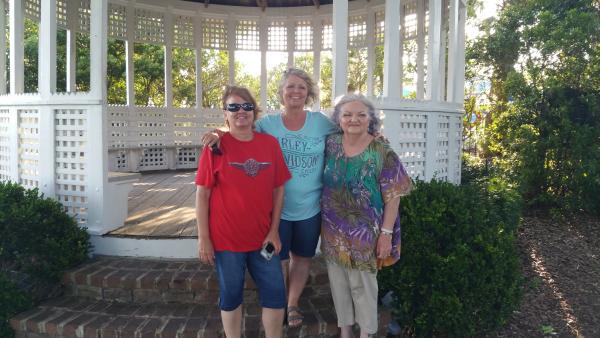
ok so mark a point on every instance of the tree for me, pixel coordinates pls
(544, 123)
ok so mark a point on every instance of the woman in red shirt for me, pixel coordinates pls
(239, 198)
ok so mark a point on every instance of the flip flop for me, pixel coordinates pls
(294, 316)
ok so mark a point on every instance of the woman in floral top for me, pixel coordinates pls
(362, 184)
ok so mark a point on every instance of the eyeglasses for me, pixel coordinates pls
(233, 107)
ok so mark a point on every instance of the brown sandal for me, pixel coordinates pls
(294, 316)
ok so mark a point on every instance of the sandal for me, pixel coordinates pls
(294, 316)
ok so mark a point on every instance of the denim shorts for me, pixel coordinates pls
(300, 237)
(268, 277)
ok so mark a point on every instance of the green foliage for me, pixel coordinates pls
(459, 273)
(12, 300)
(544, 127)
(38, 242)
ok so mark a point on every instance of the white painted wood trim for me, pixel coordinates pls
(340, 48)
(317, 44)
(198, 45)
(98, 48)
(441, 77)
(47, 166)
(452, 49)
(2, 49)
(231, 23)
(17, 53)
(431, 145)
(168, 58)
(391, 69)
(434, 71)
(264, 43)
(72, 17)
(291, 42)
(401, 50)
(47, 49)
(459, 78)
(421, 49)
(13, 132)
(165, 248)
(370, 52)
(129, 51)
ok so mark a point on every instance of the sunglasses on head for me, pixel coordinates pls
(233, 107)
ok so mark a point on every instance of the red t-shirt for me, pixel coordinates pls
(241, 180)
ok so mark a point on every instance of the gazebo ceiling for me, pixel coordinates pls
(265, 3)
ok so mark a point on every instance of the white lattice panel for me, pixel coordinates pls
(5, 159)
(186, 128)
(212, 118)
(247, 35)
(456, 146)
(84, 15)
(117, 21)
(121, 162)
(183, 31)
(303, 36)
(327, 33)
(187, 158)
(118, 129)
(412, 144)
(357, 31)
(32, 9)
(61, 13)
(441, 149)
(29, 147)
(214, 33)
(379, 27)
(70, 153)
(152, 135)
(277, 36)
(150, 26)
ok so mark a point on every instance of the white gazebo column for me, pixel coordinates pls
(198, 64)
(291, 41)
(370, 52)
(263, 46)
(17, 28)
(340, 47)
(72, 21)
(317, 44)
(96, 154)
(168, 58)
(2, 48)
(435, 74)
(391, 68)
(47, 87)
(129, 50)
(421, 49)
(231, 23)
(456, 52)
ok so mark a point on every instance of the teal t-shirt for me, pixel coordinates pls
(304, 153)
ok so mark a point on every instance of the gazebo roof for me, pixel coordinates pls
(265, 3)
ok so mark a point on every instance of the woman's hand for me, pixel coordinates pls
(273, 238)
(384, 246)
(206, 251)
(211, 137)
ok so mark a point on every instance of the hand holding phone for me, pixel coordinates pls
(267, 251)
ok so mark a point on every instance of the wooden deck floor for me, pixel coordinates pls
(161, 205)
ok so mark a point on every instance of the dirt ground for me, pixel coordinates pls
(561, 265)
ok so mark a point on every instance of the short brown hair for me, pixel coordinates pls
(245, 94)
(310, 84)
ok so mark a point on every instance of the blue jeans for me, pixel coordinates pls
(267, 275)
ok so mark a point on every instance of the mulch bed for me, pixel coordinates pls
(561, 266)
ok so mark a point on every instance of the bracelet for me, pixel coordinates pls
(385, 231)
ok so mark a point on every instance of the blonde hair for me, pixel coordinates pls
(310, 84)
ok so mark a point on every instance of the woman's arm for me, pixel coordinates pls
(384, 242)
(273, 235)
(205, 248)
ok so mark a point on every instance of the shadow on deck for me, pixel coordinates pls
(161, 205)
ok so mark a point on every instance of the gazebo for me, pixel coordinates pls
(86, 153)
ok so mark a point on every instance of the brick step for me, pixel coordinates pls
(71, 317)
(146, 280)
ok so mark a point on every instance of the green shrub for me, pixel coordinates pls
(459, 273)
(38, 242)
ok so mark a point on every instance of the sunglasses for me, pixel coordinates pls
(233, 107)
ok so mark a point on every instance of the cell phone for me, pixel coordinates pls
(267, 251)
